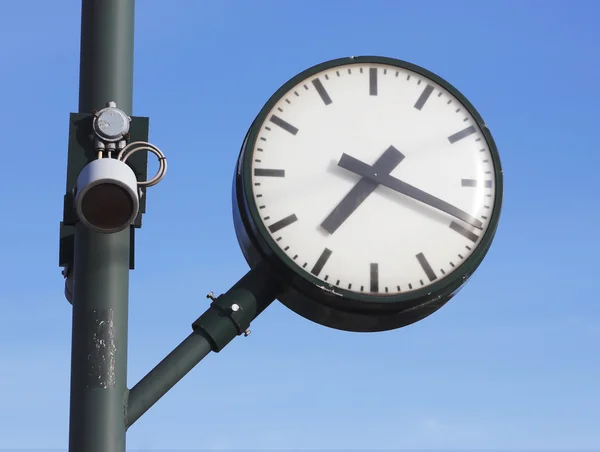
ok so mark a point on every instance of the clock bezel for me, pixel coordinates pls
(317, 289)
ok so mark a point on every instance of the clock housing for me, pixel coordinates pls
(329, 304)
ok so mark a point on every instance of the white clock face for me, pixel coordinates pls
(373, 178)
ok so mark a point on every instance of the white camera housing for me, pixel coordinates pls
(107, 197)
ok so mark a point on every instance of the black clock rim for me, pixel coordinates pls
(267, 247)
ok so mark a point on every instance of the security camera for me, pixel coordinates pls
(107, 197)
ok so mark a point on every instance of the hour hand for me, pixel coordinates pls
(367, 171)
(385, 165)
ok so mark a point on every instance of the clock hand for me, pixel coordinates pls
(385, 164)
(369, 172)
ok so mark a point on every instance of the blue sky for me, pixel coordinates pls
(510, 363)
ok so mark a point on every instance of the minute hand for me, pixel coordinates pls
(362, 169)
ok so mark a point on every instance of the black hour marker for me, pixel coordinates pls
(269, 172)
(284, 125)
(463, 231)
(487, 184)
(462, 134)
(426, 267)
(283, 223)
(374, 277)
(423, 97)
(321, 90)
(321, 262)
(469, 183)
(373, 81)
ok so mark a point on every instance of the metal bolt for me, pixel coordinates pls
(211, 296)
(247, 333)
(235, 307)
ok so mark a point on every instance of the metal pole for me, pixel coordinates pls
(101, 261)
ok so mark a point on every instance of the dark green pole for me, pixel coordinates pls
(101, 261)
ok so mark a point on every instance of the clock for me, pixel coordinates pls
(372, 187)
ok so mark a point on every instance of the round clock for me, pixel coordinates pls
(373, 187)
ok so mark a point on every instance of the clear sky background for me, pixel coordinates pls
(510, 363)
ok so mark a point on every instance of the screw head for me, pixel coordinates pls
(235, 307)
(247, 333)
